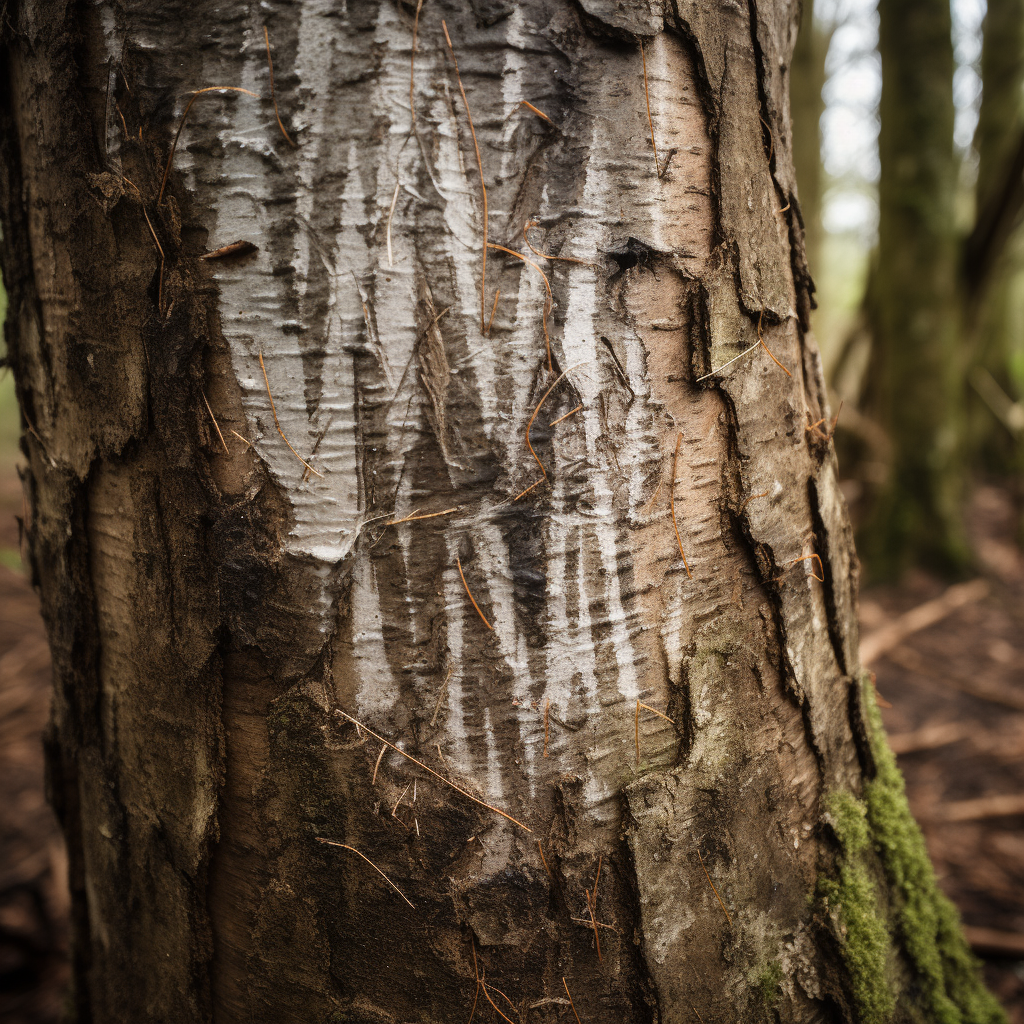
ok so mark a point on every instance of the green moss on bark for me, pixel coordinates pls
(928, 924)
(879, 835)
(852, 899)
(767, 981)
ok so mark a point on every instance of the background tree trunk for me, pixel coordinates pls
(808, 104)
(915, 390)
(994, 312)
(221, 618)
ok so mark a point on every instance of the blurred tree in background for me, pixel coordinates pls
(995, 421)
(808, 104)
(912, 386)
(931, 362)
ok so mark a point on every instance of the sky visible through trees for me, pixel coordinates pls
(849, 126)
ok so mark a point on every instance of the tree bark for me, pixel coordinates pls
(248, 654)
(916, 376)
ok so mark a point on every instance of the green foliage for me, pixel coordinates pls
(865, 937)
(929, 926)
(767, 981)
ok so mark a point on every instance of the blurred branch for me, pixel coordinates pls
(995, 224)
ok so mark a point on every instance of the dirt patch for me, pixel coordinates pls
(33, 872)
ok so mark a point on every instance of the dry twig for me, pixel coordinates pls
(547, 256)
(539, 113)
(216, 425)
(650, 120)
(177, 134)
(764, 344)
(273, 93)
(391, 214)
(345, 846)
(430, 515)
(548, 303)
(571, 1003)
(713, 889)
(821, 568)
(437, 775)
(160, 249)
(470, 595)
(277, 422)
(571, 412)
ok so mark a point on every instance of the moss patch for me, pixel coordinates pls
(929, 925)
(767, 981)
(852, 896)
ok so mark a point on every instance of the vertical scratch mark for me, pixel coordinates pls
(672, 503)
(412, 64)
(480, 168)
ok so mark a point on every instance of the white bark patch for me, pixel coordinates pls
(582, 579)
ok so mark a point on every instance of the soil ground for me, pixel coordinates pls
(956, 721)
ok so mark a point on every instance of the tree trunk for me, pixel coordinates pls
(994, 313)
(808, 80)
(249, 654)
(916, 376)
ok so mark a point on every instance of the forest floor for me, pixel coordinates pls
(956, 690)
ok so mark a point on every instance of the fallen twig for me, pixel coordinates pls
(880, 641)
(1003, 805)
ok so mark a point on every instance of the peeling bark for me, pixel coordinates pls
(220, 621)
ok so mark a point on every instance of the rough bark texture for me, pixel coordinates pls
(219, 619)
(916, 376)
